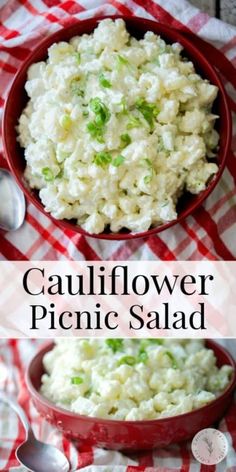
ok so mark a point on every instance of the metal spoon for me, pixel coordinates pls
(12, 202)
(34, 454)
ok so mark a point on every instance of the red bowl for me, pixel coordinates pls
(129, 435)
(17, 99)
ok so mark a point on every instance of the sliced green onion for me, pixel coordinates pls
(129, 360)
(115, 344)
(122, 60)
(157, 341)
(123, 104)
(102, 115)
(99, 120)
(118, 161)
(102, 159)
(100, 110)
(134, 122)
(76, 380)
(148, 110)
(147, 179)
(95, 131)
(92, 128)
(147, 162)
(60, 175)
(126, 139)
(142, 356)
(48, 174)
(172, 358)
(147, 342)
(103, 81)
(95, 104)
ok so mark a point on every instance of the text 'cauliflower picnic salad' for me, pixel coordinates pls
(128, 379)
(116, 129)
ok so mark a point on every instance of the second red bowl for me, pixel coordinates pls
(129, 435)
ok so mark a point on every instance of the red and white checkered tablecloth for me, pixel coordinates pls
(14, 355)
(210, 232)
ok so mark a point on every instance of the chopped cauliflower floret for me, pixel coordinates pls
(199, 176)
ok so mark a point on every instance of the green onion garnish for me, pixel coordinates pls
(60, 175)
(122, 60)
(142, 356)
(102, 159)
(134, 122)
(48, 174)
(100, 109)
(76, 380)
(102, 115)
(115, 344)
(130, 360)
(125, 139)
(147, 162)
(172, 358)
(147, 179)
(95, 131)
(148, 110)
(118, 161)
(123, 104)
(103, 81)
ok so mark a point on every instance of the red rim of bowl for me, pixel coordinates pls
(209, 343)
(65, 224)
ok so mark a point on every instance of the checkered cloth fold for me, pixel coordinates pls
(209, 232)
(14, 356)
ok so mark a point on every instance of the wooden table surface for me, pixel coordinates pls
(223, 9)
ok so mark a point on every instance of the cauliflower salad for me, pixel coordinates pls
(116, 129)
(127, 379)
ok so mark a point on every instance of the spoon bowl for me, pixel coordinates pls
(12, 208)
(38, 456)
(33, 454)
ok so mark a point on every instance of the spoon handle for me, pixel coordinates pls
(11, 401)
